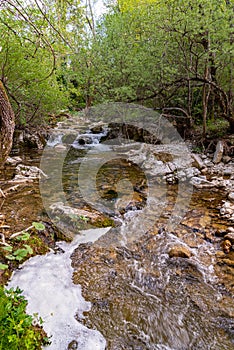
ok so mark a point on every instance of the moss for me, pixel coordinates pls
(105, 222)
(38, 246)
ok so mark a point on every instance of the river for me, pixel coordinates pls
(121, 288)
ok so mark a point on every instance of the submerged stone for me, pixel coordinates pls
(179, 251)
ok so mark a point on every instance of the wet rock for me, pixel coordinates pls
(231, 196)
(228, 262)
(96, 129)
(218, 153)
(84, 140)
(124, 203)
(179, 251)
(69, 138)
(226, 246)
(230, 237)
(227, 210)
(73, 345)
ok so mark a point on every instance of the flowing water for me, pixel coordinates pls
(127, 292)
(53, 295)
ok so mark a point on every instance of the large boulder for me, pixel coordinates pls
(218, 153)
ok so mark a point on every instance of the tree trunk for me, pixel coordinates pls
(7, 125)
(205, 99)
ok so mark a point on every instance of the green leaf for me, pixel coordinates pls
(10, 257)
(8, 248)
(28, 248)
(23, 237)
(20, 254)
(38, 226)
(3, 266)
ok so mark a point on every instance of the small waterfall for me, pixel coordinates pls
(88, 139)
(54, 140)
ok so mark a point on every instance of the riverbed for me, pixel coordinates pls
(137, 285)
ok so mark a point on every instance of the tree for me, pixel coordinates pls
(37, 38)
(7, 125)
(168, 55)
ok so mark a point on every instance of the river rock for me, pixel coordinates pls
(84, 140)
(60, 147)
(13, 160)
(218, 153)
(201, 182)
(179, 251)
(226, 245)
(198, 163)
(231, 196)
(28, 173)
(70, 216)
(73, 345)
(226, 159)
(34, 140)
(230, 236)
(97, 129)
(227, 210)
(69, 138)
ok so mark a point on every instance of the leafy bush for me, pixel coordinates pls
(17, 331)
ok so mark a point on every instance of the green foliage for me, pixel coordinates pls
(35, 39)
(16, 327)
(160, 53)
(3, 266)
(18, 250)
(23, 237)
(157, 52)
(38, 226)
(217, 128)
(17, 254)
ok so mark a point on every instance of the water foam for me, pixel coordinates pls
(47, 284)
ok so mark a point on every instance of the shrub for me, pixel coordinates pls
(17, 329)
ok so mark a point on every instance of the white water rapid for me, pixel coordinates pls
(46, 282)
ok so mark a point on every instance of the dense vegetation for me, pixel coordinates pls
(16, 327)
(175, 56)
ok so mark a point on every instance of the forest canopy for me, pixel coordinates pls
(175, 56)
